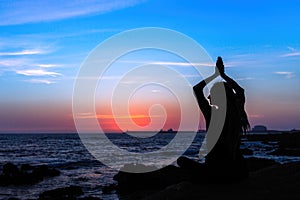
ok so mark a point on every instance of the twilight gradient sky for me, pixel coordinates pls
(43, 43)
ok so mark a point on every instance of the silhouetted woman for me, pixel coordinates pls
(224, 161)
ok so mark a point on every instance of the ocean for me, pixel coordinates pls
(78, 167)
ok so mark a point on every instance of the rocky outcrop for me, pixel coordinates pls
(26, 175)
(166, 182)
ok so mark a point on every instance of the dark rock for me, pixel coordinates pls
(141, 185)
(10, 169)
(290, 140)
(66, 193)
(189, 170)
(285, 139)
(109, 188)
(130, 182)
(276, 182)
(89, 198)
(28, 174)
(266, 142)
(254, 163)
(246, 151)
(13, 198)
(45, 171)
(26, 167)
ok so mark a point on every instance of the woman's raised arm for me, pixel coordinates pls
(202, 101)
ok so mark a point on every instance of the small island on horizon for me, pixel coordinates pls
(256, 129)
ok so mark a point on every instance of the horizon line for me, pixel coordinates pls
(163, 131)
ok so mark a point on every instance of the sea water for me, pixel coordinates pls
(78, 167)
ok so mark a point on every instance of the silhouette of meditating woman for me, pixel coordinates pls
(224, 160)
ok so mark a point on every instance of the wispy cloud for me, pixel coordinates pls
(245, 79)
(291, 48)
(294, 52)
(27, 67)
(26, 61)
(104, 78)
(37, 81)
(286, 74)
(37, 72)
(12, 62)
(291, 54)
(23, 11)
(48, 65)
(183, 64)
(169, 63)
(23, 52)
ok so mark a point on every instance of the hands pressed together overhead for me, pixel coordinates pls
(220, 67)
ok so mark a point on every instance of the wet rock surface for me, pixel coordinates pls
(26, 174)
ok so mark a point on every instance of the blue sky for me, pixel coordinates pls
(42, 45)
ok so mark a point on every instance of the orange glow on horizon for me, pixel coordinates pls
(142, 117)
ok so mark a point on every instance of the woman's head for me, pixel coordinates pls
(222, 93)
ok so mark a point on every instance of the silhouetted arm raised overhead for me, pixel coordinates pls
(202, 101)
(237, 88)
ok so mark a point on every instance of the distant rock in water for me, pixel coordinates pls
(286, 152)
(12, 175)
(285, 139)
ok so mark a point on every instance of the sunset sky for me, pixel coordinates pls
(44, 43)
